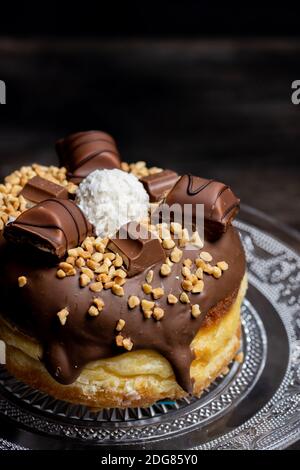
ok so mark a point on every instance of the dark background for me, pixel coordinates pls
(199, 88)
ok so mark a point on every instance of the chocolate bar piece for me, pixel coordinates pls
(139, 248)
(84, 152)
(53, 226)
(220, 203)
(158, 184)
(39, 189)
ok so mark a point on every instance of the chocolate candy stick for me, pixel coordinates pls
(39, 189)
(158, 184)
(220, 203)
(138, 247)
(84, 152)
(53, 226)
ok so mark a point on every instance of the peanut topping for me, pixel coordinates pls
(198, 287)
(118, 261)
(216, 272)
(128, 344)
(62, 315)
(172, 299)
(196, 240)
(200, 263)
(185, 271)
(120, 273)
(109, 285)
(147, 288)
(93, 311)
(119, 340)
(97, 257)
(206, 256)
(147, 305)
(96, 286)
(158, 313)
(169, 262)
(165, 270)
(117, 290)
(149, 276)
(222, 265)
(168, 243)
(84, 280)
(176, 255)
(148, 313)
(176, 228)
(61, 274)
(120, 325)
(22, 281)
(157, 293)
(184, 298)
(88, 272)
(187, 285)
(188, 262)
(199, 273)
(133, 301)
(195, 311)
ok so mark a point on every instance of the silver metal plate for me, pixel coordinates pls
(256, 405)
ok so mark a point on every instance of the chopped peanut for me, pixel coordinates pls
(93, 311)
(149, 276)
(184, 298)
(99, 303)
(117, 290)
(165, 270)
(22, 281)
(196, 311)
(96, 286)
(62, 315)
(168, 243)
(60, 274)
(185, 271)
(157, 293)
(176, 255)
(188, 262)
(119, 340)
(158, 313)
(147, 305)
(198, 287)
(128, 344)
(217, 272)
(133, 301)
(222, 265)
(172, 299)
(84, 280)
(120, 325)
(187, 285)
(206, 256)
(147, 288)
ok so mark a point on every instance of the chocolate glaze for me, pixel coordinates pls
(84, 152)
(67, 349)
(220, 203)
(53, 226)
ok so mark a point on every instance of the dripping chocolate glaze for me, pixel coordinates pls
(67, 349)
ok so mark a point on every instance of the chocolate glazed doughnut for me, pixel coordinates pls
(84, 339)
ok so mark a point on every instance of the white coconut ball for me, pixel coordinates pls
(110, 199)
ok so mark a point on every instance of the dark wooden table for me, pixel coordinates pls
(217, 108)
